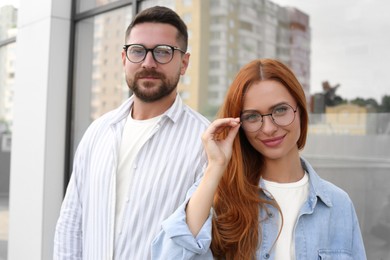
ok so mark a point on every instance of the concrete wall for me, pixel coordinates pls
(361, 166)
(38, 138)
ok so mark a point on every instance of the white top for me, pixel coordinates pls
(290, 198)
(135, 134)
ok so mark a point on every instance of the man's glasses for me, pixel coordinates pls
(282, 115)
(162, 54)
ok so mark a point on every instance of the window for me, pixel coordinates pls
(8, 32)
(97, 66)
(86, 5)
(187, 2)
(185, 79)
(215, 65)
(187, 18)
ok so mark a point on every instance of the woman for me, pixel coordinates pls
(258, 199)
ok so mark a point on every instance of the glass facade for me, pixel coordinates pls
(347, 145)
(8, 19)
(88, 5)
(99, 84)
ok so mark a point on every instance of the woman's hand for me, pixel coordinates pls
(219, 151)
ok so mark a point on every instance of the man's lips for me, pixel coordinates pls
(272, 142)
(148, 78)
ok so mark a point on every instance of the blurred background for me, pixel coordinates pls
(60, 68)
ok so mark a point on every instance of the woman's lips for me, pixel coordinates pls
(273, 141)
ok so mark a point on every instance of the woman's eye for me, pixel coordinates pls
(280, 110)
(251, 117)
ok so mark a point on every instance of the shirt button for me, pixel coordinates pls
(266, 256)
(270, 214)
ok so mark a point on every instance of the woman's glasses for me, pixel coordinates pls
(282, 115)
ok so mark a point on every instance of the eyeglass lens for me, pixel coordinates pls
(282, 115)
(161, 53)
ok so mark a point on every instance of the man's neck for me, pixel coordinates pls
(146, 110)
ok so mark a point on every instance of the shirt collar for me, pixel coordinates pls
(316, 190)
(173, 113)
(317, 187)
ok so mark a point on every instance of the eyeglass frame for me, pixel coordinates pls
(173, 48)
(270, 114)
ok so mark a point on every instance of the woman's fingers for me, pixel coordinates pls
(219, 149)
(220, 125)
(233, 131)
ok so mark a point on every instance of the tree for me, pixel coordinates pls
(370, 102)
(337, 100)
(385, 105)
(359, 101)
(373, 103)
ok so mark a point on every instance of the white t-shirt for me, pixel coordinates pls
(135, 134)
(290, 198)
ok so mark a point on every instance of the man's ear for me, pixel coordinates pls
(184, 63)
(123, 58)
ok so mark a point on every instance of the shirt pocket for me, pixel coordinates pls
(335, 254)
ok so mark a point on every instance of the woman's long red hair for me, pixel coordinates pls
(236, 232)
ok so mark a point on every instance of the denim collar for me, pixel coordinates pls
(317, 189)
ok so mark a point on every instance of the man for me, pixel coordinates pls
(134, 164)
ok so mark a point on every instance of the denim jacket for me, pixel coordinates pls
(327, 228)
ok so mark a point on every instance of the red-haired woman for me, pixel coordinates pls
(258, 198)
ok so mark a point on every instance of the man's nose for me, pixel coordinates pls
(149, 61)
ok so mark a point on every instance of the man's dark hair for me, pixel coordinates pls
(161, 14)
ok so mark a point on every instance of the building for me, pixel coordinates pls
(241, 31)
(8, 19)
(344, 119)
(293, 45)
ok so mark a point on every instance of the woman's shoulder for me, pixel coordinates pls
(329, 192)
(335, 192)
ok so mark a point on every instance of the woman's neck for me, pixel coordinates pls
(288, 169)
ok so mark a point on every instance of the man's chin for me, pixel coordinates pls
(149, 97)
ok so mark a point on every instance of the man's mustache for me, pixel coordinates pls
(149, 73)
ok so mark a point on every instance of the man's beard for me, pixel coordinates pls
(145, 93)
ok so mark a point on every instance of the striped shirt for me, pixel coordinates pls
(166, 166)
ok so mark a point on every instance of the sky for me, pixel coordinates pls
(350, 45)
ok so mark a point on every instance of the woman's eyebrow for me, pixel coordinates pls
(269, 109)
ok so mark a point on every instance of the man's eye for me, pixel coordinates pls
(162, 51)
(137, 51)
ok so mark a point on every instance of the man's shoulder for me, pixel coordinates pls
(111, 117)
(196, 116)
